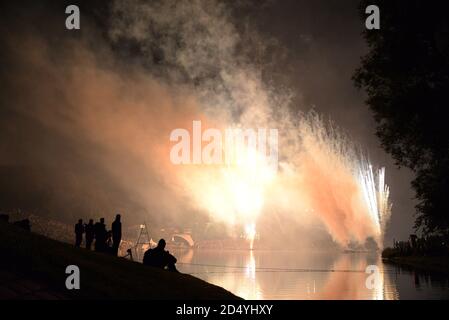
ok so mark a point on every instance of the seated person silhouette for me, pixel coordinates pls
(160, 258)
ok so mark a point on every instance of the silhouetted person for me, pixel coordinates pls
(90, 234)
(116, 234)
(108, 243)
(79, 230)
(159, 258)
(100, 236)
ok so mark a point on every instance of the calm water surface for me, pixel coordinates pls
(308, 275)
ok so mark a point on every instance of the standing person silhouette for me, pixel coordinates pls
(100, 236)
(79, 230)
(90, 233)
(116, 234)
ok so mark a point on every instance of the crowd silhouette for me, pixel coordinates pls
(108, 241)
(105, 241)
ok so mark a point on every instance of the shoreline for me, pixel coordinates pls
(432, 264)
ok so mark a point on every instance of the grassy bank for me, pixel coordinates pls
(44, 260)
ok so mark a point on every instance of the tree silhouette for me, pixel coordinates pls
(406, 77)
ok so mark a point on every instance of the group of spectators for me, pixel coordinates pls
(105, 241)
(109, 242)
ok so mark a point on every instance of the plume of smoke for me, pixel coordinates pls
(99, 133)
(197, 42)
(194, 65)
(331, 169)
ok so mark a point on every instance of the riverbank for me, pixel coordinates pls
(33, 267)
(422, 263)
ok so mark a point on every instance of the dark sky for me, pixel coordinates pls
(320, 46)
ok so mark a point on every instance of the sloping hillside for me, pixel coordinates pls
(33, 266)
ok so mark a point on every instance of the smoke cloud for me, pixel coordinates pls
(93, 117)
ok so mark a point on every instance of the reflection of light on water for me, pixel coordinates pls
(251, 267)
(313, 290)
(353, 285)
(241, 281)
(378, 290)
(250, 289)
(242, 284)
(384, 290)
(262, 275)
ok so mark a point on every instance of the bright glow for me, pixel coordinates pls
(250, 234)
(321, 178)
(236, 192)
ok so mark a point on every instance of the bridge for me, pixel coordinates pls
(183, 237)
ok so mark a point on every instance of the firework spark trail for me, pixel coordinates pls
(325, 178)
(368, 186)
(330, 181)
(342, 188)
(376, 195)
(385, 206)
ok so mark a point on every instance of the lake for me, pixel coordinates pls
(308, 275)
